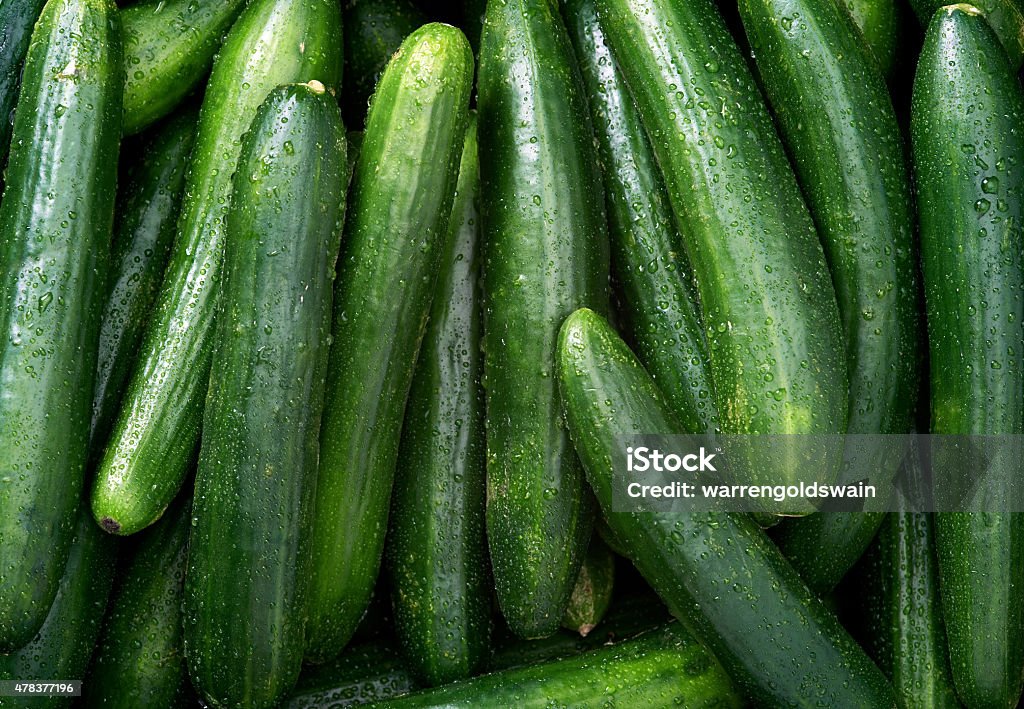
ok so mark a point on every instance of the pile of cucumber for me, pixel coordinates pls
(323, 322)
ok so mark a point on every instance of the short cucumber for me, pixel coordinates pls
(1005, 17)
(56, 221)
(169, 47)
(717, 572)
(139, 660)
(592, 593)
(879, 22)
(244, 604)
(157, 428)
(395, 238)
(17, 17)
(362, 674)
(436, 549)
(966, 116)
(545, 254)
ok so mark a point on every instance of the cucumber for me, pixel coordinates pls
(545, 254)
(769, 307)
(244, 605)
(659, 302)
(663, 667)
(56, 221)
(157, 428)
(168, 50)
(965, 121)
(139, 661)
(400, 203)
(362, 674)
(879, 24)
(717, 572)
(147, 214)
(592, 593)
(62, 647)
(375, 30)
(1005, 17)
(17, 17)
(436, 551)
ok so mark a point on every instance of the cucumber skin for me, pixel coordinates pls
(66, 140)
(769, 308)
(542, 200)
(659, 302)
(879, 24)
(592, 593)
(147, 213)
(362, 674)
(1005, 17)
(66, 640)
(244, 606)
(663, 667)
(139, 660)
(971, 258)
(157, 429)
(717, 572)
(436, 548)
(399, 207)
(16, 22)
(169, 47)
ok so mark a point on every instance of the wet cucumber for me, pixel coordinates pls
(244, 604)
(395, 238)
(55, 228)
(17, 17)
(1005, 17)
(157, 429)
(965, 124)
(168, 50)
(879, 25)
(592, 593)
(436, 549)
(362, 674)
(717, 572)
(545, 254)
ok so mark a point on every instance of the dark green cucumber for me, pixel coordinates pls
(659, 305)
(157, 429)
(169, 47)
(139, 660)
(592, 593)
(1005, 17)
(879, 25)
(62, 647)
(545, 254)
(769, 307)
(965, 124)
(663, 667)
(362, 674)
(17, 17)
(244, 604)
(437, 551)
(717, 572)
(55, 229)
(147, 216)
(374, 32)
(395, 239)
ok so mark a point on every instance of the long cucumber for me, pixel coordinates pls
(1005, 17)
(17, 18)
(879, 22)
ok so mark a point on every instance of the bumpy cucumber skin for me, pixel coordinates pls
(659, 302)
(717, 572)
(399, 207)
(157, 429)
(169, 47)
(244, 604)
(592, 593)
(139, 660)
(1005, 17)
(769, 308)
(147, 217)
(55, 228)
(545, 254)
(362, 674)
(436, 549)
(879, 25)
(965, 124)
(17, 17)
(65, 643)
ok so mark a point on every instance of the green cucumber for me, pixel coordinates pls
(147, 214)
(395, 238)
(244, 604)
(663, 667)
(654, 280)
(592, 593)
(375, 31)
(1005, 17)
(157, 429)
(769, 307)
(545, 254)
(879, 25)
(56, 221)
(139, 661)
(362, 674)
(17, 17)
(966, 115)
(717, 572)
(169, 47)
(436, 551)
(62, 647)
